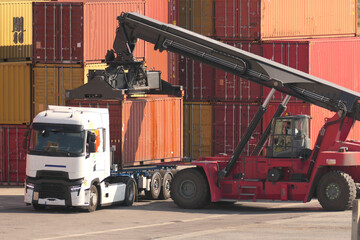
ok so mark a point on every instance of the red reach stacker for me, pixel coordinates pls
(283, 167)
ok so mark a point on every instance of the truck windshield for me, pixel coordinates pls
(57, 140)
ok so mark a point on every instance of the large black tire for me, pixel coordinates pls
(155, 186)
(130, 192)
(94, 199)
(165, 186)
(190, 189)
(336, 191)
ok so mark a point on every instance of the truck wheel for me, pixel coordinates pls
(155, 186)
(94, 198)
(130, 192)
(190, 189)
(165, 186)
(336, 191)
(38, 206)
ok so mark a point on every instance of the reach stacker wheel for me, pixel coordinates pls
(336, 191)
(190, 189)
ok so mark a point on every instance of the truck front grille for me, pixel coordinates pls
(52, 190)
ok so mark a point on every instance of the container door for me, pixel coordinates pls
(13, 160)
(44, 32)
(69, 32)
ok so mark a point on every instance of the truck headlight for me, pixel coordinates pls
(30, 185)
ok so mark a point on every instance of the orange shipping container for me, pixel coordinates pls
(154, 59)
(143, 130)
(264, 19)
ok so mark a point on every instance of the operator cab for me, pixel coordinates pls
(289, 137)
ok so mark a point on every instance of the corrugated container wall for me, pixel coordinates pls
(313, 56)
(144, 130)
(197, 79)
(229, 87)
(51, 81)
(70, 32)
(15, 93)
(231, 121)
(156, 60)
(264, 19)
(16, 30)
(197, 129)
(197, 16)
(12, 155)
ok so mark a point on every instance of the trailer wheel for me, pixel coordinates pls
(155, 186)
(190, 189)
(94, 198)
(165, 186)
(130, 192)
(336, 191)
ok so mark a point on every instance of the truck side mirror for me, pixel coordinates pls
(92, 143)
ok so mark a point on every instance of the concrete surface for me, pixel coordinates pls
(164, 220)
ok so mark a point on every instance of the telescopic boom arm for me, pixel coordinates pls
(233, 60)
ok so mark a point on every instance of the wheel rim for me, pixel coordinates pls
(187, 189)
(131, 193)
(167, 185)
(93, 198)
(333, 191)
(156, 184)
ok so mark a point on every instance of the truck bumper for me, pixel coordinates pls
(56, 192)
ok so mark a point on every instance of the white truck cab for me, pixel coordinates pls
(68, 161)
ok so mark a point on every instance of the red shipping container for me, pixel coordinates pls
(231, 121)
(78, 32)
(229, 87)
(143, 130)
(12, 154)
(197, 79)
(264, 19)
(332, 59)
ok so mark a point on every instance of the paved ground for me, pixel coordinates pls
(164, 220)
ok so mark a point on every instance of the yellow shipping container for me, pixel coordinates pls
(16, 30)
(197, 16)
(52, 80)
(93, 66)
(15, 90)
(197, 129)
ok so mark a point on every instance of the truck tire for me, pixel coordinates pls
(165, 186)
(94, 199)
(190, 189)
(155, 186)
(336, 191)
(130, 192)
(38, 206)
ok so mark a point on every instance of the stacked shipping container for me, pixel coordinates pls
(275, 30)
(47, 47)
